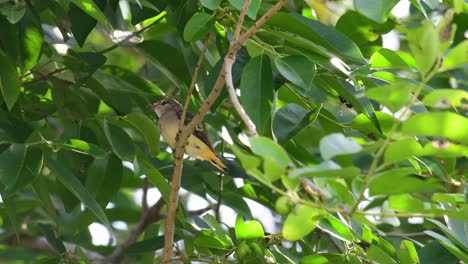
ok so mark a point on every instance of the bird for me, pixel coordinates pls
(198, 145)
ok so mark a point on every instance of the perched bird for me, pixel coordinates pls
(198, 146)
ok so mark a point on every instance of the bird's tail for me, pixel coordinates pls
(213, 159)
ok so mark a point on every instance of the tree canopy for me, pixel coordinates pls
(347, 122)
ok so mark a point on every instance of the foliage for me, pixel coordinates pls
(362, 149)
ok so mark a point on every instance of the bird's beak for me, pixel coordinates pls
(152, 106)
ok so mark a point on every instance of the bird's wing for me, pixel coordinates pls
(198, 132)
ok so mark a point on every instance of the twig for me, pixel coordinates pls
(202, 210)
(116, 45)
(152, 215)
(187, 131)
(392, 234)
(194, 81)
(144, 198)
(220, 196)
(228, 62)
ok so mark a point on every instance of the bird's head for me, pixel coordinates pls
(164, 105)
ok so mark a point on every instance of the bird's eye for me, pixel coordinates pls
(164, 103)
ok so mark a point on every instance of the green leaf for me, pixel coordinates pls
(267, 148)
(65, 176)
(318, 33)
(441, 124)
(248, 161)
(81, 23)
(434, 253)
(337, 144)
(402, 180)
(9, 81)
(379, 256)
(389, 59)
(314, 259)
(327, 168)
(336, 228)
(455, 57)
(424, 44)
(31, 39)
(300, 222)
(297, 69)
(198, 26)
(92, 9)
(393, 96)
(249, 230)
(455, 230)
(360, 28)
(169, 57)
(40, 187)
(251, 11)
(402, 149)
(362, 123)
(13, 11)
(219, 232)
(289, 120)
(405, 203)
(147, 128)
(120, 142)
(84, 147)
(54, 241)
(30, 168)
(11, 163)
(110, 184)
(446, 98)
(378, 10)
(209, 242)
(257, 92)
(210, 4)
(408, 254)
(458, 252)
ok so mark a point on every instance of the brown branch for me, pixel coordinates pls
(144, 198)
(151, 215)
(194, 80)
(187, 131)
(178, 165)
(228, 62)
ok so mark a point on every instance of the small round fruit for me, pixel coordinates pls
(283, 205)
(242, 250)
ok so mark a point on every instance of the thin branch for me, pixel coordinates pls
(202, 210)
(144, 198)
(220, 196)
(143, 29)
(240, 22)
(394, 234)
(228, 62)
(194, 80)
(187, 131)
(152, 215)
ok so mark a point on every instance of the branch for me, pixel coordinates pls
(187, 131)
(228, 62)
(178, 165)
(143, 29)
(151, 215)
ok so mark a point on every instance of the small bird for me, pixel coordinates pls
(198, 145)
